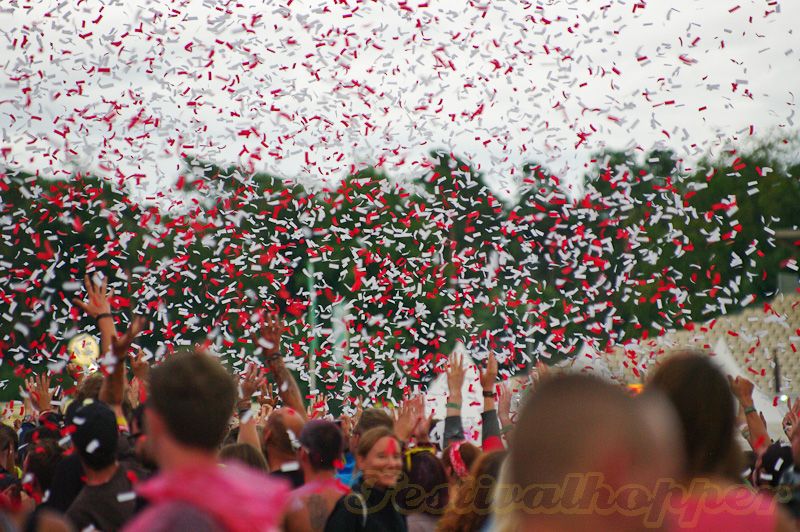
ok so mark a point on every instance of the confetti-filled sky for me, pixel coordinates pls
(314, 91)
(308, 89)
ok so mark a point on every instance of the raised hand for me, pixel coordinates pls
(488, 376)
(120, 345)
(266, 397)
(251, 382)
(317, 409)
(112, 391)
(422, 430)
(790, 420)
(133, 392)
(742, 389)
(98, 302)
(504, 405)
(346, 424)
(263, 414)
(270, 335)
(140, 367)
(38, 387)
(455, 374)
(359, 410)
(408, 416)
(269, 342)
(76, 372)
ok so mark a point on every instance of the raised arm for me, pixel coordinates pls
(270, 343)
(408, 417)
(453, 428)
(112, 391)
(489, 422)
(504, 409)
(743, 391)
(39, 392)
(249, 383)
(141, 374)
(98, 307)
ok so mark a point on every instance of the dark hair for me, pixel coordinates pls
(425, 487)
(702, 398)
(194, 395)
(246, 454)
(372, 418)
(96, 435)
(32, 435)
(774, 462)
(41, 462)
(473, 502)
(324, 443)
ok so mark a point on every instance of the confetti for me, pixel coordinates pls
(544, 183)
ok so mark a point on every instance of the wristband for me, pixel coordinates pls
(488, 394)
(749, 410)
(103, 315)
(506, 430)
(453, 405)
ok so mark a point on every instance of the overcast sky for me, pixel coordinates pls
(307, 89)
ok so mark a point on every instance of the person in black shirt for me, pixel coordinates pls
(372, 505)
(107, 500)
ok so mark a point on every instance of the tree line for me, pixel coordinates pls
(380, 277)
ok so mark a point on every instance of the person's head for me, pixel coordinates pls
(321, 445)
(245, 454)
(472, 504)
(281, 434)
(96, 435)
(191, 400)
(702, 398)
(771, 464)
(89, 389)
(457, 459)
(425, 488)
(578, 425)
(40, 464)
(378, 457)
(370, 418)
(9, 442)
(663, 434)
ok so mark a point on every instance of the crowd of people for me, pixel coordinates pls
(185, 445)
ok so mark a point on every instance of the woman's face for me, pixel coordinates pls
(382, 465)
